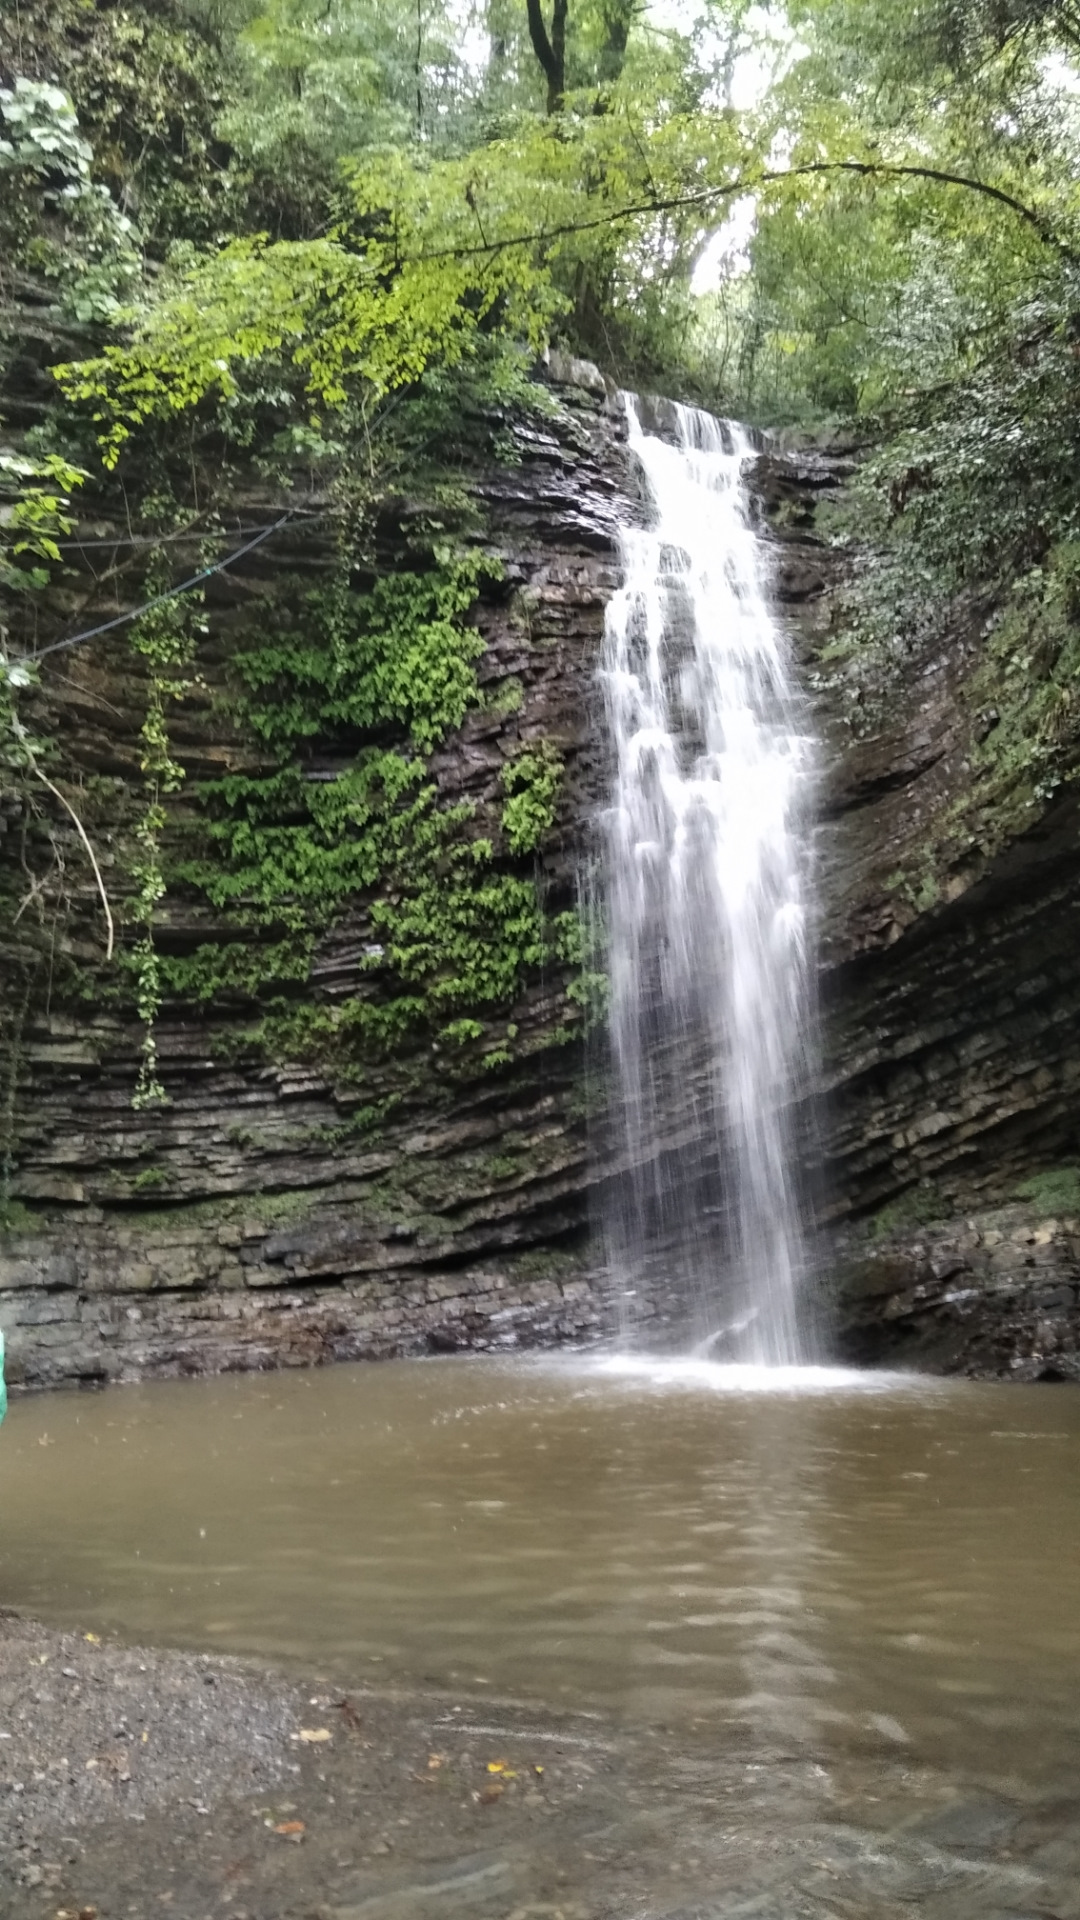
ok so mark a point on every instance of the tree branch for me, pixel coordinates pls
(551, 52)
(85, 838)
(747, 183)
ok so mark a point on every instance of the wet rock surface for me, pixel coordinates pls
(254, 1221)
(996, 1294)
(266, 1797)
(201, 1309)
(260, 1217)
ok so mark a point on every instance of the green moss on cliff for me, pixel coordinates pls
(918, 1206)
(1057, 1190)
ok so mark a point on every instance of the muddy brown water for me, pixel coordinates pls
(818, 1558)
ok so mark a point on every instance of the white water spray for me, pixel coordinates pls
(704, 903)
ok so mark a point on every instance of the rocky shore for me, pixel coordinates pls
(139, 1783)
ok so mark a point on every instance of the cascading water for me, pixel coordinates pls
(704, 876)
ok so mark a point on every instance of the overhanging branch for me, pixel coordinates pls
(748, 183)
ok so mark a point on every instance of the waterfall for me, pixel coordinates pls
(703, 901)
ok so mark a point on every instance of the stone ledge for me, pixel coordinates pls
(995, 1295)
(71, 1337)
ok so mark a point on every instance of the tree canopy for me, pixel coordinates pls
(280, 217)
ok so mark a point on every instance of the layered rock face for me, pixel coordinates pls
(950, 887)
(274, 1210)
(276, 1213)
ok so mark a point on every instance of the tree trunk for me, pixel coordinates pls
(550, 50)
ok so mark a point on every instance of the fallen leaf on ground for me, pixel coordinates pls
(94, 1639)
(312, 1736)
(290, 1827)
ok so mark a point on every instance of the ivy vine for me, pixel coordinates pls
(163, 638)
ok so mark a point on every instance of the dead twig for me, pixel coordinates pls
(90, 854)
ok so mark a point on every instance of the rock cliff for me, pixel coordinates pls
(285, 1206)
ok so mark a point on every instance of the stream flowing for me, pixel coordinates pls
(703, 903)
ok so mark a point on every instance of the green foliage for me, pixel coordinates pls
(236, 969)
(149, 1180)
(532, 783)
(56, 220)
(979, 492)
(401, 653)
(322, 82)
(427, 259)
(577, 943)
(163, 639)
(917, 1206)
(35, 494)
(1057, 1190)
(333, 327)
(148, 82)
(286, 852)
(1026, 687)
(15, 1217)
(459, 1032)
(464, 935)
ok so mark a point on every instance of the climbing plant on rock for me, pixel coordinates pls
(163, 639)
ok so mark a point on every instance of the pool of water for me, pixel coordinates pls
(824, 1559)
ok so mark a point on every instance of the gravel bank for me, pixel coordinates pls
(91, 1731)
(143, 1785)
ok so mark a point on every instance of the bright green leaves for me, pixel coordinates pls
(532, 783)
(336, 326)
(290, 851)
(449, 934)
(251, 304)
(427, 259)
(35, 495)
(462, 932)
(403, 652)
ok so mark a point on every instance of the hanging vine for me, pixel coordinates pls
(164, 639)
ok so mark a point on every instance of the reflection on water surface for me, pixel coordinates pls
(833, 1561)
